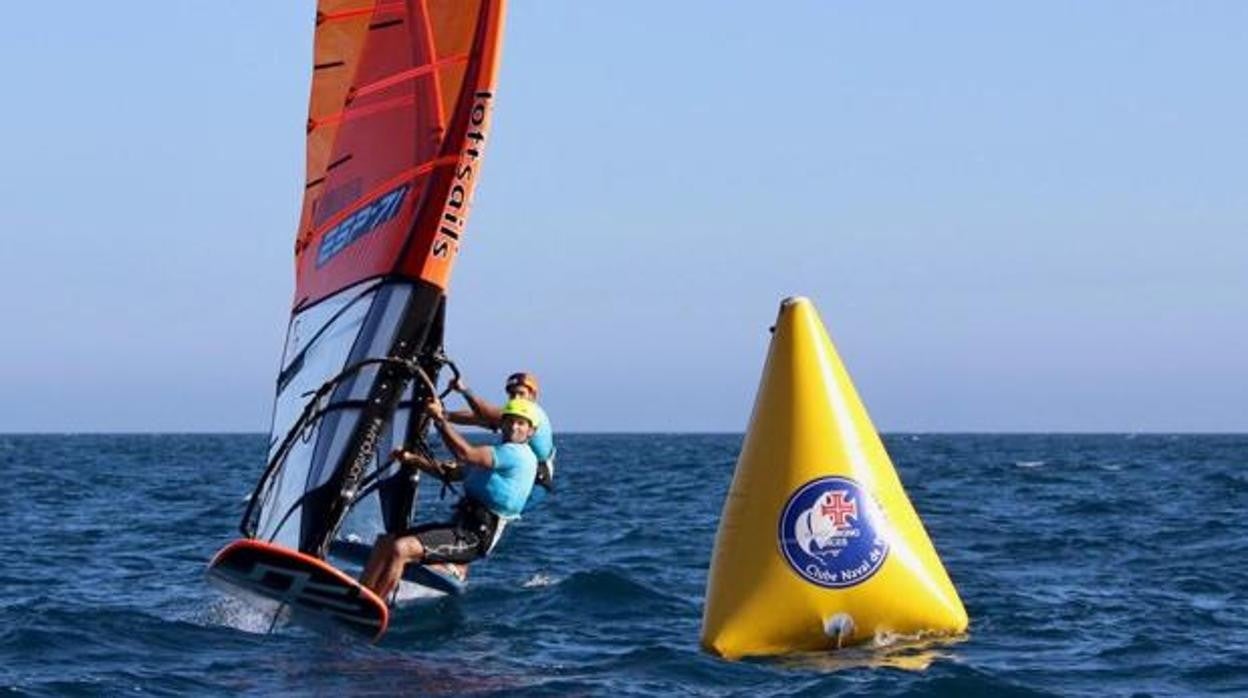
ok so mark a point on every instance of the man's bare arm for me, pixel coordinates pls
(480, 456)
(443, 470)
(465, 417)
(488, 415)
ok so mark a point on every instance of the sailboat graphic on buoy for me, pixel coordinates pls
(825, 529)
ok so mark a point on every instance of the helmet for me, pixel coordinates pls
(520, 407)
(526, 379)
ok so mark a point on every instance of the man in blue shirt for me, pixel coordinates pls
(482, 413)
(497, 482)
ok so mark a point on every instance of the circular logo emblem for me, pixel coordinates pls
(830, 533)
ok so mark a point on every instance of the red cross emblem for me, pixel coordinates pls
(836, 507)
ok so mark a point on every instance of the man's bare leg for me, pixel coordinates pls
(404, 550)
(382, 550)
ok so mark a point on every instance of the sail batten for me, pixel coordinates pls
(399, 78)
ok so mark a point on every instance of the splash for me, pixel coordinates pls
(540, 580)
(234, 613)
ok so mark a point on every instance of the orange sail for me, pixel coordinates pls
(397, 124)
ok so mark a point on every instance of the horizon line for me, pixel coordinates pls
(901, 432)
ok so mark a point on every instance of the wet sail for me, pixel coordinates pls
(398, 119)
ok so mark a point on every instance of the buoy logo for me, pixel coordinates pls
(830, 533)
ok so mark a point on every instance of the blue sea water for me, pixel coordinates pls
(1090, 565)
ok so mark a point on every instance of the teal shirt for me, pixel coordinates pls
(505, 487)
(543, 440)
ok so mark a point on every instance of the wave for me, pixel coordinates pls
(612, 592)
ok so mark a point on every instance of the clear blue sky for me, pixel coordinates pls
(1012, 217)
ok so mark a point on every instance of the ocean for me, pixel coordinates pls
(1098, 565)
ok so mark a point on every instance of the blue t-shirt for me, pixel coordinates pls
(543, 440)
(505, 487)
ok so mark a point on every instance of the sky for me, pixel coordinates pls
(1011, 216)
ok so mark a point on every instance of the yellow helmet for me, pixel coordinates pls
(520, 407)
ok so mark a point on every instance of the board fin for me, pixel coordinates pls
(818, 545)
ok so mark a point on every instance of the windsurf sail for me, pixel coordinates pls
(398, 121)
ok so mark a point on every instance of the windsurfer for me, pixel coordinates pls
(497, 482)
(482, 413)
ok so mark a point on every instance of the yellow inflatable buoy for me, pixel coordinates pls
(818, 545)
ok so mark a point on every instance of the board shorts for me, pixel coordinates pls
(470, 534)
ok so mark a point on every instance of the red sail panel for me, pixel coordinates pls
(397, 123)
